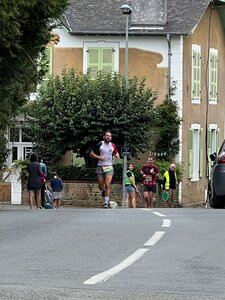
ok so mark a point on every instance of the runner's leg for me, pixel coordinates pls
(150, 204)
(108, 180)
(146, 197)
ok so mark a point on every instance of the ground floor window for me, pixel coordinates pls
(19, 145)
(195, 152)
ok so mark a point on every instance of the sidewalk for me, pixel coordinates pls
(9, 206)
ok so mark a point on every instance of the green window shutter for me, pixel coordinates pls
(107, 60)
(201, 152)
(196, 74)
(216, 77)
(218, 139)
(209, 150)
(190, 149)
(94, 61)
(100, 59)
(213, 76)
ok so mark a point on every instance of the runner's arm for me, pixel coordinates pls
(95, 156)
(115, 151)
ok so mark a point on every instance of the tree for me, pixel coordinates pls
(74, 110)
(25, 29)
(167, 130)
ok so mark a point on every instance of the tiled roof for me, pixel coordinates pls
(91, 17)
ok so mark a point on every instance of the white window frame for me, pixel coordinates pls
(213, 143)
(213, 129)
(101, 44)
(196, 151)
(195, 49)
(20, 145)
(213, 98)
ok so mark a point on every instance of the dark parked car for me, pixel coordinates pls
(216, 188)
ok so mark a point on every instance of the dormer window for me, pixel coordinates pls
(149, 13)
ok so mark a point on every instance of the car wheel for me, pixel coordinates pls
(218, 201)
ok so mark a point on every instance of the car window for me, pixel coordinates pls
(222, 148)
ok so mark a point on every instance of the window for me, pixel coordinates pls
(195, 152)
(25, 135)
(14, 134)
(213, 75)
(196, 74)
(100, 57)
(14, 153)
(27, 152)
(19, 144)
(213, 143)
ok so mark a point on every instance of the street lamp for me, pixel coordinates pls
(126, 10)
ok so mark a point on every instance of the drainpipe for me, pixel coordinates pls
(168, 37)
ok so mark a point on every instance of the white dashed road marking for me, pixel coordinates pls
(155, 238)
(166, 223)
(104, 276)
(158, 214)
(113, 271)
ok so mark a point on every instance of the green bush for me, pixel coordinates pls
(164, 166)
(89, 174)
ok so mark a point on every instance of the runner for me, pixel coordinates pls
(104, 152)
(150, 174)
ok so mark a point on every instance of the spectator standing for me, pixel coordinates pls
(150, 174)
(57, 186)
(169, 183)
(130, 187)
(43, 182)
(34, 180)
(104, 153)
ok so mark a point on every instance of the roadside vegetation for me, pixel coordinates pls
(25, 29)
(73, 111)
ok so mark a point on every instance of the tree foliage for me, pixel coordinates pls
(74, 110)
(167, 130)
(25, 28)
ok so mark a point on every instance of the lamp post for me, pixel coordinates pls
(126, 10)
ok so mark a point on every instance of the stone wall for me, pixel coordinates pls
(86, 194)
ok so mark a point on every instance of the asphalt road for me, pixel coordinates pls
(112, 254)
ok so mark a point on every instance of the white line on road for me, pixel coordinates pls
(113, 271)
(166, 223)
(155, 238)
(158, 214)
(104, 276)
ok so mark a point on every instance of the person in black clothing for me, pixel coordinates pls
(169, 183)
(34, 180)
